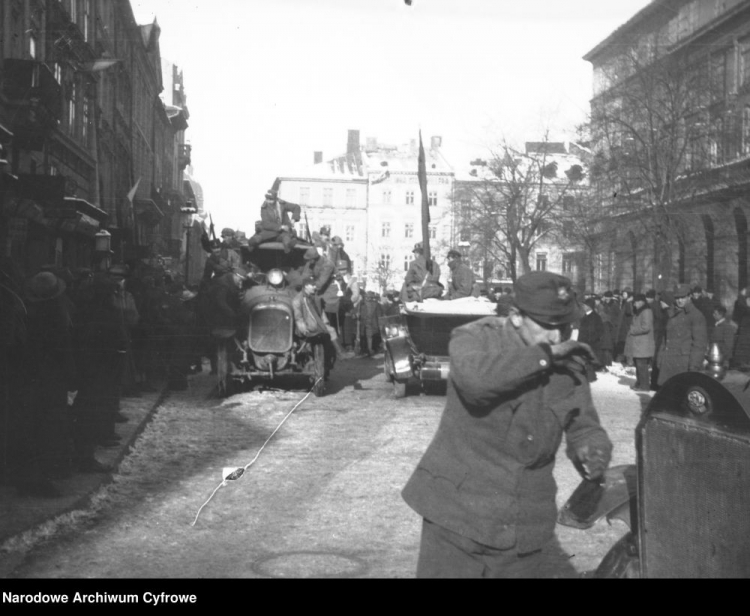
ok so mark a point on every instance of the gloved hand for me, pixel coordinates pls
(569, 348)
(593, 461)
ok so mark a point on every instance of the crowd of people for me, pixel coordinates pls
(664, 333)
(72, 345)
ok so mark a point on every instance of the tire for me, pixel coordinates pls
(399, 389)
(319, 373)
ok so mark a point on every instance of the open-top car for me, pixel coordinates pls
(416, 340)
(266, 345)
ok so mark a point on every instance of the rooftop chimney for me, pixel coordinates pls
(352, 146)
(317, 157)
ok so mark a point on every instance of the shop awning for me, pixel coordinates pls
(87, 208)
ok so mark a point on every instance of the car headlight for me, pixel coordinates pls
(276, 277)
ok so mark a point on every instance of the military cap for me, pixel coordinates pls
(453, 253)
(337, 241)
(227, 231)
(547, 298)
(697, 289)
(681, 290)
(309, 280)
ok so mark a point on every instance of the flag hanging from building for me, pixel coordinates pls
(133, 191)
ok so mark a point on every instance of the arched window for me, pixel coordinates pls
(740, 222)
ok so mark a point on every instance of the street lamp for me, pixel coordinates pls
(188, 214)
(102, 250)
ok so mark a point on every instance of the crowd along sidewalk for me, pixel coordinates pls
(22, 513)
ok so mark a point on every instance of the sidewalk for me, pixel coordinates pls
(19, 514)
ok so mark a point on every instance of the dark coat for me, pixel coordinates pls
(591, 331)
(273, 214)
(610, 314)
(462, 281)
(224, 302)
(660, 324)
(624, 318)
(420, 284)
(685, 342)
(640, 341)
(487, 474)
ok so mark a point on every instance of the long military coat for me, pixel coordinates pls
(640, 341)
(685, 342)
(487, 474)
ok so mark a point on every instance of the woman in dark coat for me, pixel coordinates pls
(741, 316)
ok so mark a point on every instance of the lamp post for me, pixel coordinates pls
(188, 213)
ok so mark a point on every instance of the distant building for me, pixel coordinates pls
(370, 197)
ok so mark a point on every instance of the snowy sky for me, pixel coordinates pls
(269, 82)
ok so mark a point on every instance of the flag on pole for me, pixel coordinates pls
(422, 176)
(131, 193)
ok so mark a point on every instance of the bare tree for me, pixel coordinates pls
(655, 134)
(515, 202)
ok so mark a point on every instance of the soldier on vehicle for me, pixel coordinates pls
(275, 224)
(462, 278)
(420, 282)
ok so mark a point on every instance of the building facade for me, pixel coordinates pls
(371, 198)
(671, 139)
(88, 145)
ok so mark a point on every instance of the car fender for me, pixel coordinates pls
(400, 354)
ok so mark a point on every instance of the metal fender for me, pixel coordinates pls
(592, 500)
(400, 354)
(621, 562)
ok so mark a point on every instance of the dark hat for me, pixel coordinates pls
(667, 297)
(308, 280)
(271, 194)
(325, 230)
(454, 253)
(227, 231)
(608, 294)
(697, 289)
(418, 247)
(44, 286)
(337, 241)
(639, 297)
(681, 290)
(651, 294)
(547, 298)
(215, 244)
(310, 254)
(590, 302)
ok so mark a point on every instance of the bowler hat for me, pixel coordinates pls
(681, 290)
(547, 298)
(44, 286)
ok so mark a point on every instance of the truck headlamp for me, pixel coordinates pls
(276, 277)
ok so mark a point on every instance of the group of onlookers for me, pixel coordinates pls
(72, 345)
(665, 333)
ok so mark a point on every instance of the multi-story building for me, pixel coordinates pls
(87, 143)
(671, 139)
(371, 198)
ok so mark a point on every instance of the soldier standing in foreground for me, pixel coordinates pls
(485, 487)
